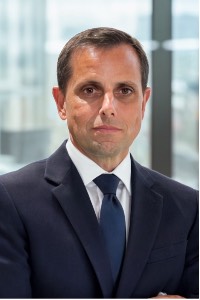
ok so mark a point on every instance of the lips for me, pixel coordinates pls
(106, 128)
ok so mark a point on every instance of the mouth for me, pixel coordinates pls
(106, 129)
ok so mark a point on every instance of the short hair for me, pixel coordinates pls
(101, 37)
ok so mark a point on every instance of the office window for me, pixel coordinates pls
(184, 47)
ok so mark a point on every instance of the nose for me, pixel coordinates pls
(108, 106)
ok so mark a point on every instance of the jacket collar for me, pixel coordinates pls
(58, 165)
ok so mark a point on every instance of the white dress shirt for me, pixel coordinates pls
(89, 170)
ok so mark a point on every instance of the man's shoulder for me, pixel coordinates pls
(159, 179)
(166, 186)
(35, 171)
(30, 172)
(175, 195)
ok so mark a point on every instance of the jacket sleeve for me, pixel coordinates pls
(189, 286)
(14, 259)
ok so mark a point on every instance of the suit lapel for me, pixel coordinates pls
(144, 223)
(75, 202)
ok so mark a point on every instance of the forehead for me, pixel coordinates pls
(121, 56)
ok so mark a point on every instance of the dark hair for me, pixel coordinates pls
(101, 37)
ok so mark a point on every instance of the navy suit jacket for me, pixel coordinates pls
(51, 245)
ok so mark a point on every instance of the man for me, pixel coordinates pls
(61, 234)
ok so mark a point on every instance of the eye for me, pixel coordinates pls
(126, 91)
(89, 90)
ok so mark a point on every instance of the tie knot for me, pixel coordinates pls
(107, 183)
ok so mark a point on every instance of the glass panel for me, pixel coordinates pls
(22, 63)
(32, 34)
(185, 91)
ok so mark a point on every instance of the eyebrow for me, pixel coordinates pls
(97, 83)
(129, 83)
(88, 82)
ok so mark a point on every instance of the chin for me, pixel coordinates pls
(106, 149)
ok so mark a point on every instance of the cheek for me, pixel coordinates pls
(79, 120)
(133, 122)
(85, 115)
(132, 115)
(73, 111)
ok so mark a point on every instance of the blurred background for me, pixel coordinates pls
(32, 34)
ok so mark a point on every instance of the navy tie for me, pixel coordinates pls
(112, 221)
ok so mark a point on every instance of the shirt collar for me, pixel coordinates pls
(89, 170)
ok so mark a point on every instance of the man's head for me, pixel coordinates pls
(100, 38)
(102, 93)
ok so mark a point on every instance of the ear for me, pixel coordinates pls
(146, 97)
(60, 102)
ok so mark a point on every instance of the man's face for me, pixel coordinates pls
(104, 103)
